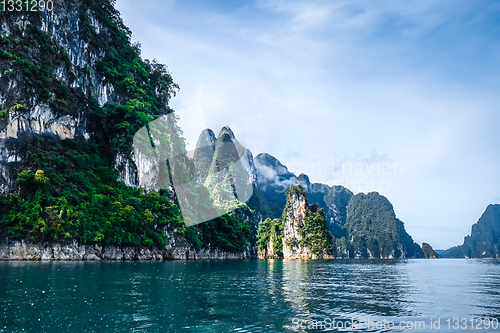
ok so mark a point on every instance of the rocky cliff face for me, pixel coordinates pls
(212, 157)
(274, 178)
(52, 65)
(177, 249)
(483, 242)
(73, 92)
(295, 213)
(301, 232)
(204, 154)
(294, 228)
(375, 232)
(29, 109)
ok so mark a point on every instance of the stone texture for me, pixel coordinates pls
(294, 218)
(35, 117)
(177, 249)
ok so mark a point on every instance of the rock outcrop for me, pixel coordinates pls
(204, 154)
(375, 232)
(29, 109)
(296, 209)
(301, 232)
(176, 249)
(429, 252)
(484, 239)
(72, 82)
(295, 213)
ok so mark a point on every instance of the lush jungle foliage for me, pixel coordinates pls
(313, 231)
(429, 252)
(375, 231)
(69, 189)
(271, 230)
(372, 230)
(71, 192)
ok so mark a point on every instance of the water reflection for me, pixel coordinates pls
(244, 296)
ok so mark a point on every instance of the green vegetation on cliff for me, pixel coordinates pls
(70, 192)
(484, 240)
(69, 189)
(429, 252)
(314, 233)
(372, 230)
(375, 231)
(312, 229)
(270, 231)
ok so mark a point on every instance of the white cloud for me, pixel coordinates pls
(415, 81)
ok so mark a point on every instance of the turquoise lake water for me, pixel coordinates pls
(251, 296)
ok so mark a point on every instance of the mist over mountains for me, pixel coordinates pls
(75, 94)
(362, 226)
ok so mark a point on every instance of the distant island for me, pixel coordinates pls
(484, 240)
(429, 252)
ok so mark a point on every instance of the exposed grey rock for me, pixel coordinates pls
(72, 251)
(293, 220)
(112, 253)
(177, 249)
(127, 170)
(294, 217)
(203, 155)
(129, 253)
(36, 117)
(226, 130)
(20, 250)
(91, 256)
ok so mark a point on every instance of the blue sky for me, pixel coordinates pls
(401, 97)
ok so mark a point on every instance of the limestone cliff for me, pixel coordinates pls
(301, 232)
(177, 249)
(204, 154)
(375, 232)
(294, 219)
(58, 65)
(213, 159)
(305, 235)
(484, 239)
(74, 92)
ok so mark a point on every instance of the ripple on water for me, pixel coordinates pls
(242, 296)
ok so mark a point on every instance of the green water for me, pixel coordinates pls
(245, 296)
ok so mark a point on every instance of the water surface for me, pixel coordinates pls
(246, 296)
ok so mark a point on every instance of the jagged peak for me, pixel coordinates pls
(225, 138)
(304, 178)
(227, 131)
(206, 139)
(269, 161)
